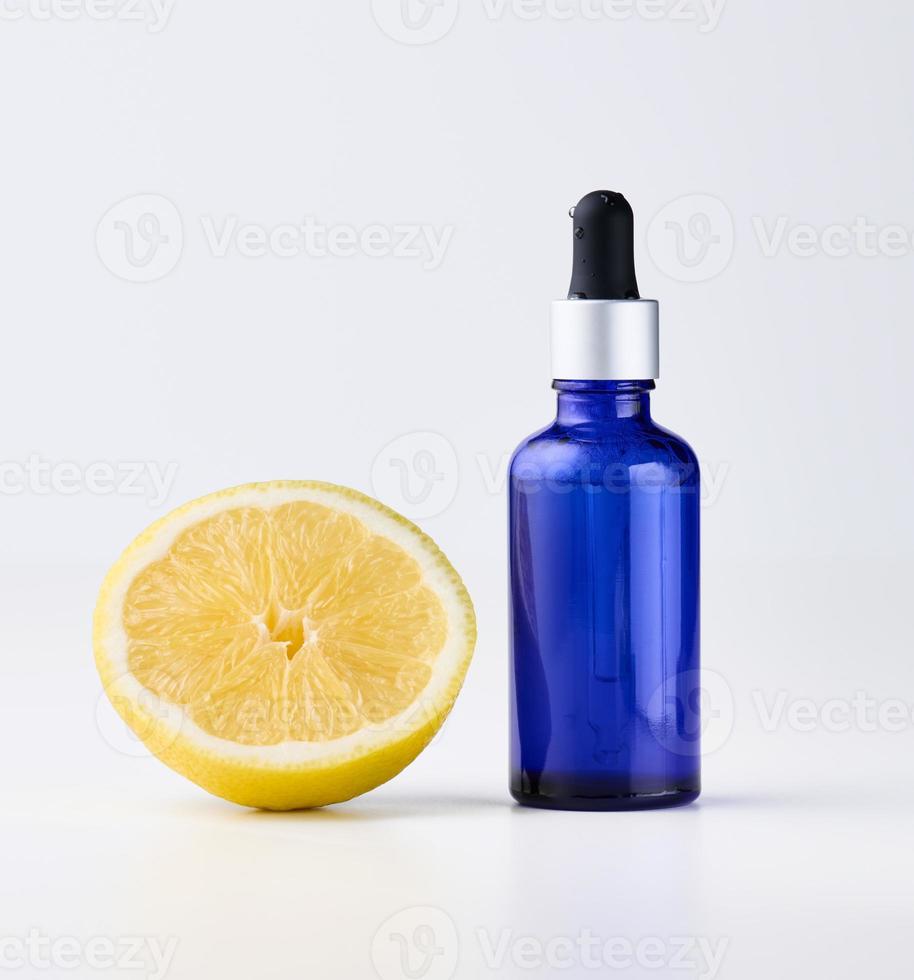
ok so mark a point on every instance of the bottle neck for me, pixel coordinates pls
(580, 402)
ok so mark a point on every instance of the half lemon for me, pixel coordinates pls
(284, 644)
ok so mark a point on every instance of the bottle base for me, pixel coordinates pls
(631, 801)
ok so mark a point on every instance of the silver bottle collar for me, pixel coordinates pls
(605, 339)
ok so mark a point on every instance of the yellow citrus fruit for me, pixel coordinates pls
(284, 644)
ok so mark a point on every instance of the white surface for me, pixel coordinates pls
(774, 139)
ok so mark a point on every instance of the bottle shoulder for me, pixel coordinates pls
(626, 443)
(670, 442)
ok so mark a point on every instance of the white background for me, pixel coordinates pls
(786, 363)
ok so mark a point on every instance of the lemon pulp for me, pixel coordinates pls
(288, 623)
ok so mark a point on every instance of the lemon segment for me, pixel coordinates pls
(284, 644)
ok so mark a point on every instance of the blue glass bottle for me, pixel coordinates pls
(604, 530)
(604, 562)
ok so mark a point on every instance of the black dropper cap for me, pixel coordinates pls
(604, 248)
